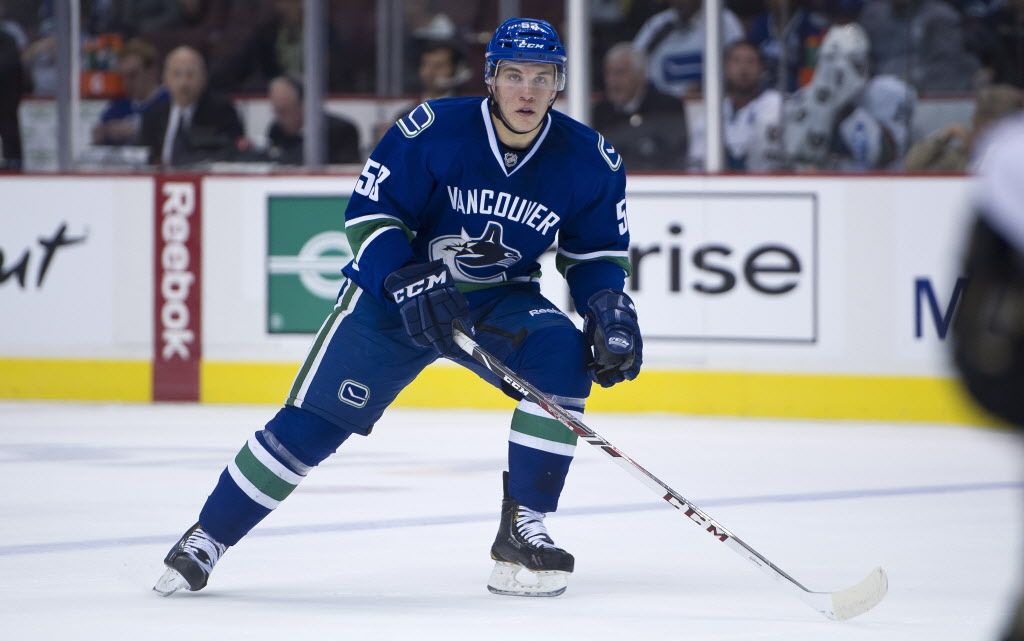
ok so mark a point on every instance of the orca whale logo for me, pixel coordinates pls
(481, 259)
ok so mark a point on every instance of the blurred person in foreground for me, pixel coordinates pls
(194, 125)
(121, 121)
(988, 329)
(673, 41)
(844, 119)
(286, 132)
(647, 127)
(950, 148)
(750, 114)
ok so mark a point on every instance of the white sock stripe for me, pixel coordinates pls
(323, 348)
(249, 489)
(529, 407)
(541, 444)
(277, 467)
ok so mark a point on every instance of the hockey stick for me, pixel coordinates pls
(838, 606)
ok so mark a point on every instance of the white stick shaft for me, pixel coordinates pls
(840, 605)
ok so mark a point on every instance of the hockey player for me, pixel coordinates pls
(446, 223)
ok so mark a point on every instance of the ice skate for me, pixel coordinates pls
(189, 562)
(523, 548)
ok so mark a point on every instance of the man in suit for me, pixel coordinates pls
(646, 126)
(285, 133)
(194, 125)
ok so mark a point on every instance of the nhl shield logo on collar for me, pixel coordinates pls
(511, 159)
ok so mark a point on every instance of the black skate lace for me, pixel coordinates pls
(200, 541)
(531, 527)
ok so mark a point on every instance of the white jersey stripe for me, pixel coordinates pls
(323, 348)
(372, 217)
(370, 239)
(589, 255)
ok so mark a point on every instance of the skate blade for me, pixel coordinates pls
(504, 581)
(170, 582)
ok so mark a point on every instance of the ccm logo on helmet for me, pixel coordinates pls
(420, 286)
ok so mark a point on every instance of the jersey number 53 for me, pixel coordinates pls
(370, 179)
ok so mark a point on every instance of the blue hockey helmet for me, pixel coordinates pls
(525, 40)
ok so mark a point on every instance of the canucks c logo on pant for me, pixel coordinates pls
(353, 393)
(481, 259)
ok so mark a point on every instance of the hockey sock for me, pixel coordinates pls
(540, 450)
(253, 484)
(266, 470)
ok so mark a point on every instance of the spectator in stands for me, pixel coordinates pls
(646, 126)
(136, 17)
(140, 74)
(994, 31)
(194, 125)
(951, 148)
(673, 41)
(804, 26)
(920, 41)
(441, 72)
(285, 133)
(40, 60)
(844, 119)
(12, 85)
(751, 115)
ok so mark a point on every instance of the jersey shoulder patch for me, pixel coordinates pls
(416, 121)
(609, 154)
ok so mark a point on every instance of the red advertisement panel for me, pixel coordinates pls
(177, 336)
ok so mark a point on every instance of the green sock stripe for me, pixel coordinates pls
(541, 427)
(261, 476)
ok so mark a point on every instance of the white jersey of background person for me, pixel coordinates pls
(675, 52)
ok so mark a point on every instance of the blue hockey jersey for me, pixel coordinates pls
(440, 185)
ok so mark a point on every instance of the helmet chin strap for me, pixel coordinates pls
(496, 110)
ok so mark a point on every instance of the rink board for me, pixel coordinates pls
(825, 297)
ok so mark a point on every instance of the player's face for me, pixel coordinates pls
(523, 91)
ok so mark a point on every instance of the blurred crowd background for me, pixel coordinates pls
(810, 85)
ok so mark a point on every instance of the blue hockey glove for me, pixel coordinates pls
(429, 303)
(612, 330)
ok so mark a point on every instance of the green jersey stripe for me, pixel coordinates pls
(563, 263)
(360, 231)
(542, 428)
(262, 477)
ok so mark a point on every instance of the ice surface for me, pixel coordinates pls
(389, 538)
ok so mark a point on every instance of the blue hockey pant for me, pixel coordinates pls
(362, 358)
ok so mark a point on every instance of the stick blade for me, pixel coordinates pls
(856, 600)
